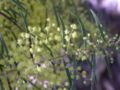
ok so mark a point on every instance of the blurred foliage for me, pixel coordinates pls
(45, 43)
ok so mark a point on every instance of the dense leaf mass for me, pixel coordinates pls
(53, 45)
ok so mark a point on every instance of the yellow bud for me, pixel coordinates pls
(58, 29)
(38, 50)
(67, 38)
(39, 69)
(73, 26)
(74, 34)
(57, 37)
(31, 50)
(84, 74)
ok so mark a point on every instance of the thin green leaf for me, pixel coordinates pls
(4, 46)
(98, 24)
(1, 85)
(93, 82)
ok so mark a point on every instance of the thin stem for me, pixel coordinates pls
(11, 20)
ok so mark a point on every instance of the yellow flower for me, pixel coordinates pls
(38, 50)
(31, 50)
(74, 34)
(84, 74)
(73, 26)
(67, 38)
(58, 29)
(57, 37)
(27, 35)
(39, 69)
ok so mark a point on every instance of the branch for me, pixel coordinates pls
(11, 20)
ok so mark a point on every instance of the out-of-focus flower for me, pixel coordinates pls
(58, 29)
(74, 35)
(31, 50)
(67, 38)
(66, 84)
(84, 74)
(57, 37)
(48, 19)
(53, 24)
(110, 6)
(66, 31)
(27, 35)
(34, 29)
(47, 28)
(16, 88)
(45, 83)
(31, 77)
(43, 66)
(38, 50)
(73, 26)
(30, 85)
(19, 41)
(33, 81)
(39, 69)
(22, 35)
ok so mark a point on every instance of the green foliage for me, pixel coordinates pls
(45, 40)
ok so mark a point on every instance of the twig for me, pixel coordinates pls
(10, 19)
